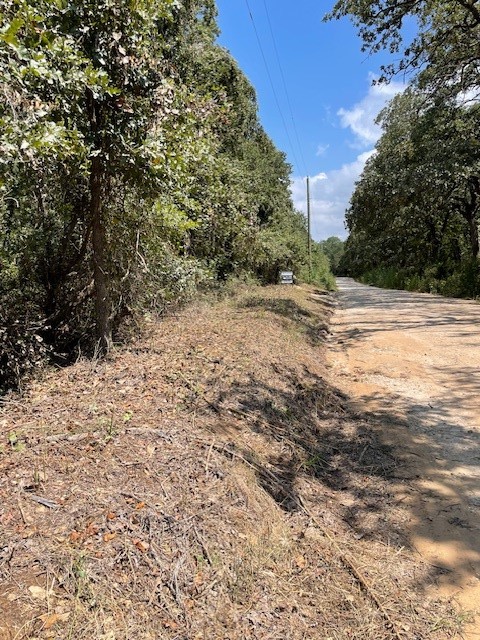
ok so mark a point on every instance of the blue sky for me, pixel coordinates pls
(329, 94)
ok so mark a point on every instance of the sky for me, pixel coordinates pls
(315, 94)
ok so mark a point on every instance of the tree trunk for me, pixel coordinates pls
(100, 274)
(474, 187)
(474, 242)
(468, 208)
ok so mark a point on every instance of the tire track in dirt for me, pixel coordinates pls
(412, 361)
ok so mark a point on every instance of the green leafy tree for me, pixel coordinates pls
(92, 84)
(133, 167)
(446, 45)
(333, 248)
(415, 208)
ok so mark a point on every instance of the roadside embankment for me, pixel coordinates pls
(207, 482)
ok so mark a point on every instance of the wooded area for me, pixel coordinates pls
(133, 171)
(414, 215)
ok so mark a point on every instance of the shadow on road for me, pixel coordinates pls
(373, 477)
(415, 360)
(404, 311)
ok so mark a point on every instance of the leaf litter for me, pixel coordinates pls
(206, 482)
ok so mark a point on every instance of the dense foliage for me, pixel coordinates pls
(133, 169)
(333, 248)
(414, 216)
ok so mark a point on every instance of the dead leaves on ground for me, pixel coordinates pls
(162, 533)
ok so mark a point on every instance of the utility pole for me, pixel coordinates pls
(308, 226)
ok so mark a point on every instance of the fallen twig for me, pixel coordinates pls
(21, 511)
(44, 501)
(69, 437)
(202, 544)
(147, 431)
(76, 437)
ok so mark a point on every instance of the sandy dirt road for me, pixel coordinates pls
(413, 362)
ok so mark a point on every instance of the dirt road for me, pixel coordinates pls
(413, 361)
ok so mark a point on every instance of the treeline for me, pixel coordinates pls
(133, 170)
(415, 213)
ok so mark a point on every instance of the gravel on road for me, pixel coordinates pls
(412, 361)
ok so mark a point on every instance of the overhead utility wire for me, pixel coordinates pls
(271, 82)
(282, 75)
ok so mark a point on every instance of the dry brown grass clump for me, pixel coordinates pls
(205, 483)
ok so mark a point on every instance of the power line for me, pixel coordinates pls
(271, 82)
(282, 75)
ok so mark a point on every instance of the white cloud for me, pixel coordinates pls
(330, 192)
(329, 196)
(322, 149)
(360, 119)
(318, 178)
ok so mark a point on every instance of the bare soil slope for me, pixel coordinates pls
(413, 361)
(207, 483)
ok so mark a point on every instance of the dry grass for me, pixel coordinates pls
(205, 483)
